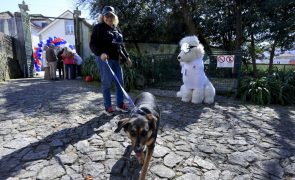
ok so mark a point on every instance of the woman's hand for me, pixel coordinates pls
(104, 56)
(129, 62)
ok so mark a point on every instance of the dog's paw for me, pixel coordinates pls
(88, 177)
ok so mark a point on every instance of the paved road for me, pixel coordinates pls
(57, 130)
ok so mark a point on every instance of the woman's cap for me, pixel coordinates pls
(108, 9)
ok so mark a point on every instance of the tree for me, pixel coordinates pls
(224, 24)
(278, 25)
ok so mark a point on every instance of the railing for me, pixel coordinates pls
(164, 71)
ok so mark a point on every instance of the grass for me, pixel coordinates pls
(264, 67)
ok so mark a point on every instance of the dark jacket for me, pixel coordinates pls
(109, 40)
(60, 63)
(50, 55)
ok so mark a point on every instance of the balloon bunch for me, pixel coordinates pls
(37, 54)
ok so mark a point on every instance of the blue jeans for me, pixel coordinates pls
(69, 68)
(106, 81)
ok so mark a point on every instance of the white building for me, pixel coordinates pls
(7, 24)
(63, 28)
(43, 28)
(38, 22)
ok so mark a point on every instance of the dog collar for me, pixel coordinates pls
(141, 111)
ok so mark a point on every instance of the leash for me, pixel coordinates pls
(131, 103)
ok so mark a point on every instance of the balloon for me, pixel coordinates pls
(37, 53)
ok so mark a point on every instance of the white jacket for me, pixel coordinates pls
(193, 75)
(44, 61)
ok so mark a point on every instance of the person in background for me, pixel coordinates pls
(68, 59)
(45, 63)
(107, 44)
(60, 64)
(52, 61)
(78, 62)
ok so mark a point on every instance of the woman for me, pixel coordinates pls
(107, 44)
(60, 64)
(45, 63)
(68, 59)
(52, 61)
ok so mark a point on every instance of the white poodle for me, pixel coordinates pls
(196, 86)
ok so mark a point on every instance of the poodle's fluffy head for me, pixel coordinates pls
(190, 49)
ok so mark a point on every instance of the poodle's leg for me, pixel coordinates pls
(179, 93)
(186, 95)
(198, 95)
(209, 93)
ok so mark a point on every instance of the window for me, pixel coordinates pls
(11, 27)
(69, 27)
(2, 25)
(43, 24)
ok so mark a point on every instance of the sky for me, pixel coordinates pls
(52, 8)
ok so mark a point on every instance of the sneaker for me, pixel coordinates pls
(110, 111)
(123, 108)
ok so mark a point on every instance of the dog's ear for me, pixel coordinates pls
(152, 120)
(122, 124)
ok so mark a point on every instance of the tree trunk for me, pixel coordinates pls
(238, 15)
(271, 57)
(137, 48)
(253, 55)
(238, 42)
(192, 27)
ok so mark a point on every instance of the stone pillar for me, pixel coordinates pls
(25, 38)
(76, 15)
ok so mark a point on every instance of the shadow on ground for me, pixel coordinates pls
(126, 165)
(28, 96)
(276, 131)
(12, 163)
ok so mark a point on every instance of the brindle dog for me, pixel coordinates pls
(142, 128)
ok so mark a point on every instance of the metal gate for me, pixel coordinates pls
(161, 70)
(164, 71)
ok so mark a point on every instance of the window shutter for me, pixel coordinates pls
(2, 25)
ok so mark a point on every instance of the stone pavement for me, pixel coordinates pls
(57, 130)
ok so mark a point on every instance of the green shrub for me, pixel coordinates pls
(89, 68)
(134, 77)
(282, 86)
(277, 88)
(255, 91)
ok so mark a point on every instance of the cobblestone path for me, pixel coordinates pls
(58, 130)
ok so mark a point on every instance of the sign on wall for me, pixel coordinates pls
(225, 61)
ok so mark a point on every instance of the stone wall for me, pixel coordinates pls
(9, 66)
